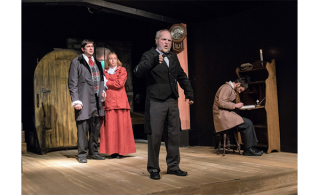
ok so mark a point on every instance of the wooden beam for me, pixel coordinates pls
(109, 7)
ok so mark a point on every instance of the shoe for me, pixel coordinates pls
(120, 156)
(115, 155)
(155, 175)
(97, 157)
(82, 160)
(252, 152)
(178, 172)
(258, 151)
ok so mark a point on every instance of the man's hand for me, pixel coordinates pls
(189, 101)
(160, 59)
(78, 107)
(239, 105)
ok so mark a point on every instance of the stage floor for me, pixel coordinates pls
(59, 172)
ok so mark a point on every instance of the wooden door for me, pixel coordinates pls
(54, 117)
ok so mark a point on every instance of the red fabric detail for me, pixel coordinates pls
(91, 63)
(97, 74)
(116, 133)
(116, 93)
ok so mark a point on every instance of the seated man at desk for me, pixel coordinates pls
(225, 118)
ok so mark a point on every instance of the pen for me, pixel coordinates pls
(262, 100)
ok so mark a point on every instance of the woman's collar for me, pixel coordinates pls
(113, 68)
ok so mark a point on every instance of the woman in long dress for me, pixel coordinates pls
(116, 129)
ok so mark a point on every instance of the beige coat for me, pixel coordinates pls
(224, 116)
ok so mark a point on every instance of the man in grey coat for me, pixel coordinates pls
(86, 86)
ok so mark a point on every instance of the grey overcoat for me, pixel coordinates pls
(81, 88)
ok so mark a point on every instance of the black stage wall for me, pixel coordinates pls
(47, 27)
(217, 47)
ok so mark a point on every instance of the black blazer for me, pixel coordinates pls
(161, 80)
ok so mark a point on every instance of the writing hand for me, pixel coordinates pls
(239, 105)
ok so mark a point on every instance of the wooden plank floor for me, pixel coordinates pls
(59, 172)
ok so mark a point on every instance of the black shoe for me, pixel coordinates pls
(178, 172)
(155, 175)
(82, 160)
(120, 156)
(115, 155)
(97, 157)
(258, 151)
(252, 152)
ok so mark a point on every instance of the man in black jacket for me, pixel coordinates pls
(162, 69)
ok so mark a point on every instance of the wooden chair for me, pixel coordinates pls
(226, 141)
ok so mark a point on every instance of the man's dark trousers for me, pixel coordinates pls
(164, 121)
(91, 125)
(248, 133)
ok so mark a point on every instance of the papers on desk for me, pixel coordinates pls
(247, 107)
